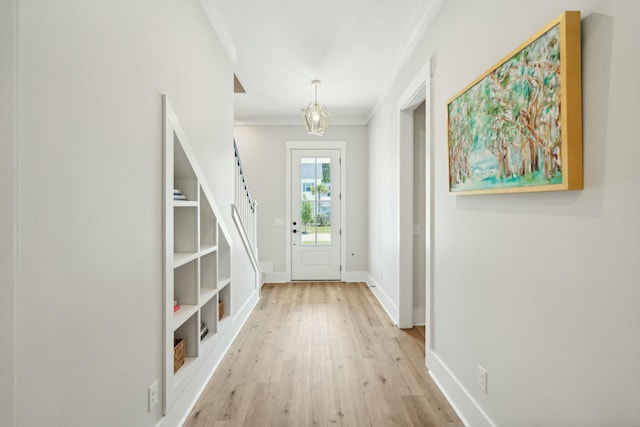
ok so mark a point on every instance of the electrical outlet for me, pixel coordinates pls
(153, 395)
(482, 378)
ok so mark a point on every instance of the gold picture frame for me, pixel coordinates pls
(518, 127)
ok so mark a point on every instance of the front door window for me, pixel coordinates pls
(315, 200)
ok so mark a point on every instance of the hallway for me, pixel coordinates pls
(316, 354)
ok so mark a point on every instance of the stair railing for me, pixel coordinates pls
(245, 211)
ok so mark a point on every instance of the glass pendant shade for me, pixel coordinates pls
(316, 117)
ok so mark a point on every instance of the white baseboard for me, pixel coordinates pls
(276, 277)
(283, 276)
(355, 276)
(187, 400)
(266, 266)
(384, 300)
(471, 414)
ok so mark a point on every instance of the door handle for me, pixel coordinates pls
(295, 231)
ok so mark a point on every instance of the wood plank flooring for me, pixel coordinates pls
(322, 354)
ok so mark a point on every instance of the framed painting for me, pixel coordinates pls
(518, 127)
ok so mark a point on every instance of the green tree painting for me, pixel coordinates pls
(505, 130)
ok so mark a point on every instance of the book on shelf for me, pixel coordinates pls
(203, 330)
(204, 333)
(176, 306)
(177, 195)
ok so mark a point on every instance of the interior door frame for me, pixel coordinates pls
(317, 145)
(418, 90)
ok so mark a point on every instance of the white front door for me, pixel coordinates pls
(315, 215)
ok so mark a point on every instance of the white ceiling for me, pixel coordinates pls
(355, 47)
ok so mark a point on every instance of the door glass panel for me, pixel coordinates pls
(323, 223)
(315, 196)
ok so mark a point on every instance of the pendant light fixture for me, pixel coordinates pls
(316, 117)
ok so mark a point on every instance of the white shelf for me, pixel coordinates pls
(206, 294)
(181, 258)
(208, 343)
(207, 249)
(182, 315)
(185, 371)
(222, 324)
(185, 204)
(224, 282)
(197, 260)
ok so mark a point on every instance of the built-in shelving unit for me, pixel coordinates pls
(197, 262)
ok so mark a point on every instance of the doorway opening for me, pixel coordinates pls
(415, 193)
(419, 216)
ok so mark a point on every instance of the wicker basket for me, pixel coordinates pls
(220, 310)
(178, 354)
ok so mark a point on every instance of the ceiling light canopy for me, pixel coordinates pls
(316, 117)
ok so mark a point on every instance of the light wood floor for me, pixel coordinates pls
(322, 354)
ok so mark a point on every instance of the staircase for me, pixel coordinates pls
(245, 215)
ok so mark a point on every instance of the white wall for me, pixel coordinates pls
(540, 289)
(263, 156)
(8, 184)
(89, 313)
(384, 171)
